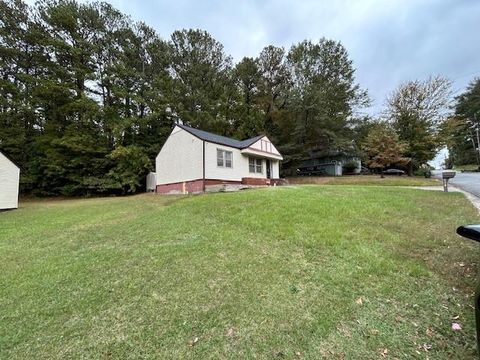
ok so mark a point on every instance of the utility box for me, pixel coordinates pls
(151, 182)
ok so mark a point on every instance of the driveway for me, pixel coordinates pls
(466, 181)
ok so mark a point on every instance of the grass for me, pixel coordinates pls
(305, 272)
(365, 180)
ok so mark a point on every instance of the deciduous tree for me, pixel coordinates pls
(383, 148)
(416, 111)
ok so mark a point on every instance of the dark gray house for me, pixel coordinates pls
(330, 163)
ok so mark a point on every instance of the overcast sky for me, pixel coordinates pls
(390, 41)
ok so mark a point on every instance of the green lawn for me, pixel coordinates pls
(289, 272)
(365, 180)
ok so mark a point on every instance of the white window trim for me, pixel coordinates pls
(255, 164)
(224, 159)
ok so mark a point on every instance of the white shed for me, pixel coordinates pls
(9, 182)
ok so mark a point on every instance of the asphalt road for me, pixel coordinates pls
(466, 181)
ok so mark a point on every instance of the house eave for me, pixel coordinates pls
(261, 153)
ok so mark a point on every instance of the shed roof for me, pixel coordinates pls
(218, 139)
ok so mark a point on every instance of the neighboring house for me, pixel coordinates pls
(9, 182)
(191, 160)
(328, 163)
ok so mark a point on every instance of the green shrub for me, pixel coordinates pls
(427, 173)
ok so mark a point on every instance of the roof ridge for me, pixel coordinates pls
(9, 159)
(219, 139)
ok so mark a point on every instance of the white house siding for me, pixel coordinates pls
(239, 167)
(9, 182)
(275, 169)
(180, 158)
(264, 144)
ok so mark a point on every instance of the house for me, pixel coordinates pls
(193, 160)
(9, 183)
(332, 163)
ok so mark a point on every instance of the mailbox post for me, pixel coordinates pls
(447, 175)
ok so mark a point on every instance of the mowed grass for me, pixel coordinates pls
(363, 180)
(305, 272)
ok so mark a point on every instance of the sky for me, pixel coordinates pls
(389, 41)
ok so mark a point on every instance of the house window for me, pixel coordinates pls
(224, 158)
(255, 165)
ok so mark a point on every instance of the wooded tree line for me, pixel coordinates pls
(462, 129)
(89, 96)
(419, 119)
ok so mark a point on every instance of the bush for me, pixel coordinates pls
(427, 173)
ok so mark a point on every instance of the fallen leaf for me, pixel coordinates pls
(456, 327)
(193, 341)
(429, 332)
(426, 347)
(385, 352)
(359, 301)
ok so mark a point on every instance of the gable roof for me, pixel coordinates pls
(218, 139)
(9, 159)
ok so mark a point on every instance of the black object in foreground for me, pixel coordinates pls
(472, 232)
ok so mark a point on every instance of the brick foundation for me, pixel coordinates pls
(256, 181)
(196, 186)
(209, 182)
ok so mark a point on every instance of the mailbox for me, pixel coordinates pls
(448, 174)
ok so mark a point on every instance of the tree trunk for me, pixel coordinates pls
(410, 169)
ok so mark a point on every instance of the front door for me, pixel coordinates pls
(269, 170)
